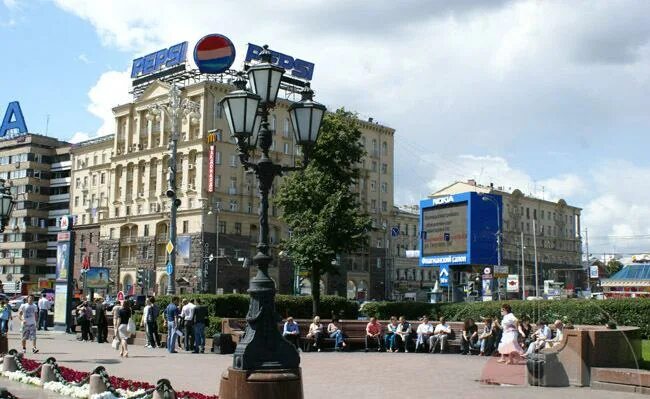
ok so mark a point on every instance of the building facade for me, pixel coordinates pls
(118, 198)
(547, 230)
(37, 168)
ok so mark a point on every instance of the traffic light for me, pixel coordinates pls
(140, 277)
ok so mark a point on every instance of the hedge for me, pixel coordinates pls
(630, 312)
(300, 307)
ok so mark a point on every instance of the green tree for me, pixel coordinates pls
(318, 204)
(612, 267)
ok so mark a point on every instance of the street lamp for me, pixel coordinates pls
(263, 347)
(498, 208)
(174, 109)
(6, 204)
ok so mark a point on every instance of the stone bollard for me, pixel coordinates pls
(9, 363)
(47, 373)
(97, 385)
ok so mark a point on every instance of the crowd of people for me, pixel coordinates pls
(507, 337)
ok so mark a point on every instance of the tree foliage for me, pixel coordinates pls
(318, 204)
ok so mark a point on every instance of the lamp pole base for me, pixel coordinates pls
(268, 384)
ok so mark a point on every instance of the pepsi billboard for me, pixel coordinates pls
(159, 60)
(297, 68)
(214, 53)
(459, 229)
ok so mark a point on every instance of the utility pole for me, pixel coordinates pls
(523, 269)
(588, 264)
(536, 268)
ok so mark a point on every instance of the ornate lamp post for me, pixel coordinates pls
(174, 109)
(263, 349)
(6, 204)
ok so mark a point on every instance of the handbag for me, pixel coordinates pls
(179, 333)
(130, 327)
(115, 344)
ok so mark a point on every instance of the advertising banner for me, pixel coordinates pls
(487, 287)
(62, 261)
(446, 228)
(61, 300)
(183, 250)
(593, 272)
(211, 170)
(512, 283)
(97, 277)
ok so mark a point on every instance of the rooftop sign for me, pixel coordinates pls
(160, 60)
(13, 121)
(300, 69)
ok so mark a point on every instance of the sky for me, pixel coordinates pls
(550, 97)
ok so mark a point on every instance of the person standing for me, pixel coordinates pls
(187, 313)
(171, 314)
(5, 316)
(509, 345)
(200, 320)
(152, 323)
(143, 322)
(43, 309)
(27, 315)
(85, 314)
(100, 321)
(124, 315)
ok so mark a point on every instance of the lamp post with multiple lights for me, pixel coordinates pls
(263, 347)
(174, 109)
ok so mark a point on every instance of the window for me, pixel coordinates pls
(217, 158)
(233, 160)
(273, 120)
(94, 180)
(219, 135)
(384, 187)
(542, 214)
(77, 183)
(250, 207)
(233, 205)
(527, 213)
(186, 226)
(117, 211)
(285, 129)
(94, 159)
(384, 148)
(111, 232)
(238, 228)
(373, 185)
(384, 206)
(83, 219)
(128, 210)
(373, 205)
(146, 230)
(102, 178)
(76, 201)
(374, 166)
(287, 151)
(103, 157)
(535, 214)
(222, 227)
(384, 168)
(217, 181)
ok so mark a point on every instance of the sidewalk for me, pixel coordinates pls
(325, 375)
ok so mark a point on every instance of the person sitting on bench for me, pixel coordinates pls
(291, 331)
(440, 334)
(334, 331)
(373, 333)
(316, 333)
(424, 331)
(404, 332)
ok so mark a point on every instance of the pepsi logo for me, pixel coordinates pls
(214, 54)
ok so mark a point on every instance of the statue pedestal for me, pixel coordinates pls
(268, 384)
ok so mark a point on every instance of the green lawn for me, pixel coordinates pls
(645, 353)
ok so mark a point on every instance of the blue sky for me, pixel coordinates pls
(549, 97)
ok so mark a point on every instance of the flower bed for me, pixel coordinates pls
(72, 387)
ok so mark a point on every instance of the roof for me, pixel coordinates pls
(630, 275)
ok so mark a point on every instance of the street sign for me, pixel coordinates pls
(169, 247)
(120, 296)
(487, 273)
(500, 271)
(444, 275)
(394, 231)
(512, 283)
(170, 268)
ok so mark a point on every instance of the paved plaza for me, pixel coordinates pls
(325, 375)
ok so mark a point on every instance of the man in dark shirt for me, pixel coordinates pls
(200, 321)
(152, 323)
(100, 321)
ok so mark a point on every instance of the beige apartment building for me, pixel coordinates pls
(554, 225)
(37, 169)
(118, 199)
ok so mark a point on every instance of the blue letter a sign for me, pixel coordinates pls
(13, 120)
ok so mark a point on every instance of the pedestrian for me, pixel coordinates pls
(187, 313)
(100, 321)
(124, 315)
(143, 321)
(509, 345)
(43, 309)
(5, 316)
(152, 323)
(27, 315)
(116, 318)
(200, 321)
(84, 315)
(171, 316)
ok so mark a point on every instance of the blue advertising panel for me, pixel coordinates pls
(459, 229)
(297, 68)
(161, 59)
(443, 278)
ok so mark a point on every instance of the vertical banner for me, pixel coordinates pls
(64, 275)
(512, 283)
(211, 169)
(62, 261)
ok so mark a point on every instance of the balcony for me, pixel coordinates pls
(128, 241)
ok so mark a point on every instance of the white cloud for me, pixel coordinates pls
(111, 90)
(11, 4)
(79, 137)
(83, 58)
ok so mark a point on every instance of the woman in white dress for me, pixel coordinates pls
(509, 345)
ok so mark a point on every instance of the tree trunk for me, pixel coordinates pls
(315, 289)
